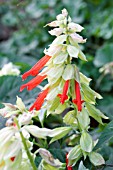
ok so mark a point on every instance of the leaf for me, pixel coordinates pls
(56, 71)
(52, 94)
(91, 94)
(86, 142)
(37, 132)
(58, 133)
(83, 119)
(96, 159)
(70, 118)
(84, 79)
(68, 72)
(94, 111)
(104, 55)
(61, 108)
(106, 135)
(73, 51)
(82, 56)
(20, 104)
(55, 104)
(60, 58)
(75, 152)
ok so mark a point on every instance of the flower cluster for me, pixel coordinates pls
(66, 88)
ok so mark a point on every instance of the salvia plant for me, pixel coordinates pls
(67, 91)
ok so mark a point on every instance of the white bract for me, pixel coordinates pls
(77, 38)
(8, 108)
(75, 27)
(56, 31)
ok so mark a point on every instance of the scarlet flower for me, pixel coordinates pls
(68, 167)
(37, 67)
(33, 83)
(12, 158)
(64, 96)
(78, 100)
(40, 100)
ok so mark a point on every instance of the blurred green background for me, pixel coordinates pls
(23, 39)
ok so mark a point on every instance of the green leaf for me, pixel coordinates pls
(77, 74)
(104, 55)
(96, 159)
(73, 51)
(84, 79)
(61, 108)
(55, 104)
(70, 118)
(60, 58)
(86, 142)
(68, 72)
(56, 71)
(106, 135)
(83, 119)
(90, 94)
(58, 133)
(82, 56)
(94, 111)
(75, 152)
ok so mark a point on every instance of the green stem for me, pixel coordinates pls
(26, 148)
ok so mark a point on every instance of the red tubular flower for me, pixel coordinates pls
(37, 67)
(78, 100)
(68, 167)
(33, 83)
(40, 100)
(64, 96)
(12, 158)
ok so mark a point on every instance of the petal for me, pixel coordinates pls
(37, 67)
(33, 83)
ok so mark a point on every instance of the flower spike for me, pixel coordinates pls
(40, 100)
(64, 96)
(33, 83)
(37, 67)
(78, 100)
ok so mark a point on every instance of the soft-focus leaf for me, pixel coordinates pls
(96, 159)
(86, 142)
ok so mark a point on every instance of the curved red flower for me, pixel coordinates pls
(40, 100)
(37, 67)
(33, 83)
(78, 100)
(64, 96)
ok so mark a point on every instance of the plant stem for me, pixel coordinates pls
(26, 148)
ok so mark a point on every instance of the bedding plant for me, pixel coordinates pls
(66, 93)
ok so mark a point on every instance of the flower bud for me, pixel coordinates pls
(64, 12)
